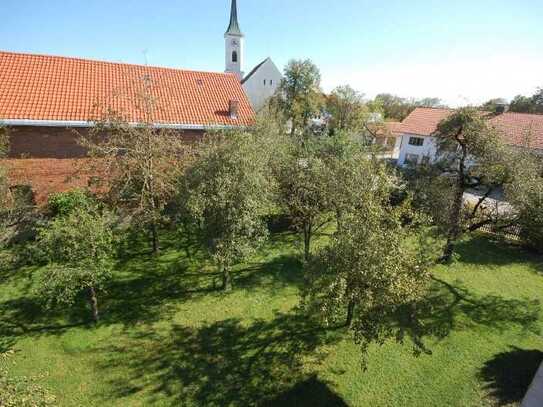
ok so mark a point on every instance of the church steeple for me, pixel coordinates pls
(234, 44)
(233, 28)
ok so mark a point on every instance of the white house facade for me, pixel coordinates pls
(415, 149)
(418, 144)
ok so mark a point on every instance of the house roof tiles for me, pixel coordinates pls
(519, 129)
(39, 87)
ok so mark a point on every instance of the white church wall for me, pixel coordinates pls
(262, 84)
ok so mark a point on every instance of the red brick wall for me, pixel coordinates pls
(50, 159)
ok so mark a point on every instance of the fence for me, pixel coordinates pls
(513, 233)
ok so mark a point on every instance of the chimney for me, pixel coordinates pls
(233, 109)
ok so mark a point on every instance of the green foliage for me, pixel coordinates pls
(525, 193)
(369, 274)
(78, 249)
(21, 391)
(64, 203)
(347, 110)
(528, 104)
(227, 192)
(398, 108)
(167, 328)
(138, 166)
(299, 97)
(471, 154)
(6, 200)
(302, 177)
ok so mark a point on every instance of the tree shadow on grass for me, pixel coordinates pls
(26, 317)
(508, 375)
(452, 307)
(224, 363)
(487, 251)
(309, 393)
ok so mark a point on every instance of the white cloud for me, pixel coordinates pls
(455, 80)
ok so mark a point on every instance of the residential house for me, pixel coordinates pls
(418, 143)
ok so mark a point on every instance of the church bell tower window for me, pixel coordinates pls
(234, 56)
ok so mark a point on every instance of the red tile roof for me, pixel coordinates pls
(395, 128)
(515, 127)
(38, 87)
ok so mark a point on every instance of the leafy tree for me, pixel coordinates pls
(398, 108)
(350, 174)
(525, 192)
(299, 96)
(64, 203)
(78, 249)
(302, 178)
(369, 274)
(346, 109)
(528, 104)
(140, 167)
(470, 155)
(227, 191)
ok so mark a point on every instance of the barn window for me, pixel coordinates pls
(234, 56)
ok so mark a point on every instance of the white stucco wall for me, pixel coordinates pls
(397, 147)
(429, 148)
(258, 91)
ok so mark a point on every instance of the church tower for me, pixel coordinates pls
(234, 39)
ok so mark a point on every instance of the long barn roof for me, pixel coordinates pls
(51, 88)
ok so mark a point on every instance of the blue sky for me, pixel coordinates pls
(463, 51)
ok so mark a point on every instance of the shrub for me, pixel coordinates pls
(64, 203)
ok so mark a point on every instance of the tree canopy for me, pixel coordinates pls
(398, 108)
(78, 250)
(227, 191)
(471, 155)
(299, 96)
(528, 104)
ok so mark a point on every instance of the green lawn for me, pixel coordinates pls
(169, 337)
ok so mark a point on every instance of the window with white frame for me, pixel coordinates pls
(416, 141)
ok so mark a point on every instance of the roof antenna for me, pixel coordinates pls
(144, 52)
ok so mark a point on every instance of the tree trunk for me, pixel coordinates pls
(307, 241)
(339, 221)
(155, 239)
(454, 229)
(226, 279)
(456, 211)
(350, 313)
(93, 300)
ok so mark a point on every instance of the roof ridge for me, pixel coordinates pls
(254, 70)
(100, 61)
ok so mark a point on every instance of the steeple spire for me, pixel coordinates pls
(233, 28)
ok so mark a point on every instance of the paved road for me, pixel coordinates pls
(534, 397)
